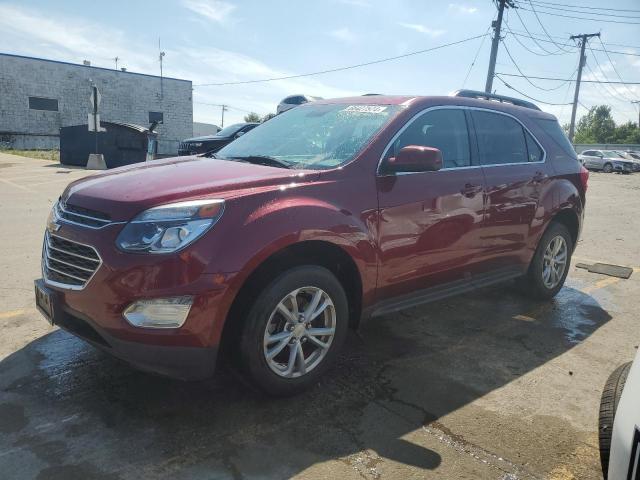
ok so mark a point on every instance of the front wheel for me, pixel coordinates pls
(294, 330)
(608, 168)
(550, 264)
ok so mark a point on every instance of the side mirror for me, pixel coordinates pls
(239, 134)
(415, 158)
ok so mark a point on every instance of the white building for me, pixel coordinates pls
(38, 96)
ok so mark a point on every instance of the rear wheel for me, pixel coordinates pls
(294, 330)
(608, 406)
(608, 168)
(550, 264)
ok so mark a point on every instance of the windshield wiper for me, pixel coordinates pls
(263, 160)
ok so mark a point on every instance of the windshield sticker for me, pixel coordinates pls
(365, 108)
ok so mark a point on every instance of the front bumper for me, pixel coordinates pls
(94, 312)
(185, 363)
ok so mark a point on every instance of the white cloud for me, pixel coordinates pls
(72, 38)
(356, 3)
(462, 8)
(344, 34)
(216, 10)
(423, 29)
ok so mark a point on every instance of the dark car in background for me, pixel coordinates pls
(213, 143)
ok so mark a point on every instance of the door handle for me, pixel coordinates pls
(471, 190)
(539, 177)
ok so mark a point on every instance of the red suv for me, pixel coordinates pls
(329, 214)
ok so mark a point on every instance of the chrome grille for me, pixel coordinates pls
(67, 263)
(81, 216)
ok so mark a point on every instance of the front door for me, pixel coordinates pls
(429, 224)
(516, 173)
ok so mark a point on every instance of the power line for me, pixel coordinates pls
(605, 85)
(580, 18)
(535, 40)
(520, 34)
(544, 28)
(608, 43)
(473, 62)
(565, 79)
(560, 9)
(589, 8)
(613, 65)
(526, 77)
(527, 96)
(339, 69)
(523, 45)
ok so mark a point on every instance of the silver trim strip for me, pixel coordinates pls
(81, 215)
(52, 259)
(457, 107)
(66, 252)
(58, 218)
(66, 285)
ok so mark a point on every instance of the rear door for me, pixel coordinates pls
(429, 227)
(516, 173)
(592, 159)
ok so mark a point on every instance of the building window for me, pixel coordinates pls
(156, 117)
(40, 103)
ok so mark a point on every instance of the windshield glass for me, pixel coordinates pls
(230, 130)
(313, 136)
(611, 154)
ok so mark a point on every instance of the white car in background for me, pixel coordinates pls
(287, 103)
(619, 424)
(606, 160)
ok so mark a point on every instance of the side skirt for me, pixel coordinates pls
(450, 289)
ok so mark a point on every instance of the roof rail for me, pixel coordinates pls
(498, 98)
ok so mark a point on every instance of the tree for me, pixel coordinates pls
(627, 133)
(252, 117)
(267, 117)
(597, 126)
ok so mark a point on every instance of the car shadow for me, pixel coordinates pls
(69, 411)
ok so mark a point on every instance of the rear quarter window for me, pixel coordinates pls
(552, 129)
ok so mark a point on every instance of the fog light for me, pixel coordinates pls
(159, 312)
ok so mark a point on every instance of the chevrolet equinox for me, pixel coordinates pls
(327, 215)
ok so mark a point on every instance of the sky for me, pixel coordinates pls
(220, 41)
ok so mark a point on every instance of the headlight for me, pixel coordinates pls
(168, 228)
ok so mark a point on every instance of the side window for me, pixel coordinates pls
(589, 153)
(500, 138)
(534, 150)
(444, 129)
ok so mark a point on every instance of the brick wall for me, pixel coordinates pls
(126, 97)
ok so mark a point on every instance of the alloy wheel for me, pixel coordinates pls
(299, 332)
(554, 262)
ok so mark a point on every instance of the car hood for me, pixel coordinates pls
(124, 192)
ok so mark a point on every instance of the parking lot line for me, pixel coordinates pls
(22, 187)
(11, 313)
(605, 282)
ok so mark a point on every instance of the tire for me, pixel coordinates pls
(265, 320)
(608, 406)
(533, 283)
(608, 168)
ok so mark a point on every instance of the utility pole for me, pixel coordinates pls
(497, 26)
(584, 38)
(116, 60)
(224, 109)
(637, 102)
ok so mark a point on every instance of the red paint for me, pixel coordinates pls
(403, 232)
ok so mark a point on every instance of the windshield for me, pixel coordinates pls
(313, 136)
(611, 154)
(230, 130)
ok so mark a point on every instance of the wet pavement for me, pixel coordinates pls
(489, 385)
